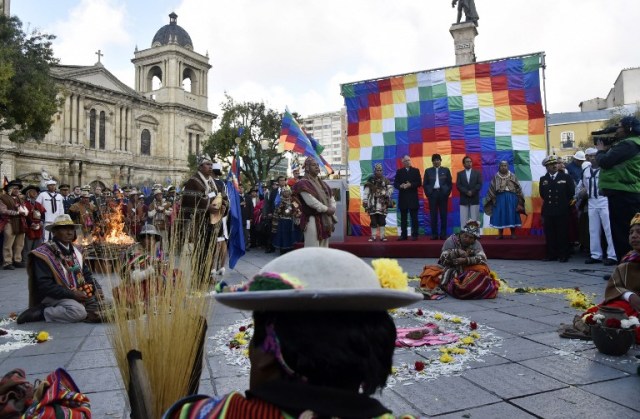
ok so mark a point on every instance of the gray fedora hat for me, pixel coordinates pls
(330, 280)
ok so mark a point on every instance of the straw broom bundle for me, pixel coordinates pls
(168, 331)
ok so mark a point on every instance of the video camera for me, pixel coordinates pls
(606, 135)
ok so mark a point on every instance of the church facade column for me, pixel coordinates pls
(67, 120)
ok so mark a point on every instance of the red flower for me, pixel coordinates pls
(589, 320)
(419, 365)
(419, 312)
(473, 325)
(612, 323)
(242, 328)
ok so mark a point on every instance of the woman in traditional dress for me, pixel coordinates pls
(377, 200)
(622, 291)
(504, 201)
(462, 269)
(283, 226)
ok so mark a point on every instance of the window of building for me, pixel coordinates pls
(145, 143)
(190, 143)
(92, 128)
(101, 136)
(567, 139)
(197, 144)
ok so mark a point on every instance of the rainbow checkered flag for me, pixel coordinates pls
(490, 111)
(293, 138)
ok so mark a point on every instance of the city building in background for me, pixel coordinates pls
(330, 130)
(108, 133)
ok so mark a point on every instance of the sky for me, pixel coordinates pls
(296, 54)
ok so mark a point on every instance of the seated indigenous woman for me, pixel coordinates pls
(145, 266)
(323, 340)
(623, 287)
(462, 270)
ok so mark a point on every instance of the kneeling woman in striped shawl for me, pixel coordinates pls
(462, 270)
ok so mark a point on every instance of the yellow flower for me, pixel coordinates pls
(394, 370)
(456, 320)
(475, 335)
(467, 340)
(390, 274)
(42, 336)
(239, 335)
(245, 352)
(458, 351)
(438, 316)
(446, 358)
(444, 350)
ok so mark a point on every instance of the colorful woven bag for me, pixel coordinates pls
(59, 399)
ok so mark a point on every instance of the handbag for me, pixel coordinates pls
(59, 397)
(16, 394)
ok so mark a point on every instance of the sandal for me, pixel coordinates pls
(372, 239)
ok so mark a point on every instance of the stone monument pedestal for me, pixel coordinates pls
(464, 35)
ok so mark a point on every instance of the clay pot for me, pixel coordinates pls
(612, 312)
(611, 341)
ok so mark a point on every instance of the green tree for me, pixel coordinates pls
(28, 94)
(257, 126)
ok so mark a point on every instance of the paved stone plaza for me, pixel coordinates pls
(531, 373)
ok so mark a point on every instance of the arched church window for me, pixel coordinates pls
(145, 143)
(186, 85)
(101, 137)
(92, 128)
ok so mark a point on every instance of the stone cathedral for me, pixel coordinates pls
(107, 133)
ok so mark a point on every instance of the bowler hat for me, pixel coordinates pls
(324, 279)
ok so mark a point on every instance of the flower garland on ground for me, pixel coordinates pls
(232, 342)
(12, 339)
(432, 362)
(577, 299)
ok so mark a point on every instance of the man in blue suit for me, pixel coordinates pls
(437, 187)
(407, 181)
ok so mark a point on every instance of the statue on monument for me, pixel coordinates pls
(469, 8)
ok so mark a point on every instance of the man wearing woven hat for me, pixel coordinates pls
(317, 204)
(52, 203)
(84, 213)
(61, 286)
(33, 233)
(135, 212)
(322, 341)
(13, 216)
(159, 214)
(556, 190)
(377, 200)
(204, 204)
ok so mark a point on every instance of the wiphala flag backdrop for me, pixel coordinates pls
(490, 111)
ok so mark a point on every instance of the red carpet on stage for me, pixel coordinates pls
(522, 248)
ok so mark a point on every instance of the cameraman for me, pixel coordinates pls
(619, 159)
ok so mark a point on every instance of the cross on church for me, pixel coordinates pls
(99, 54)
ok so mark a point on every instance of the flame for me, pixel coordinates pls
(114, 227)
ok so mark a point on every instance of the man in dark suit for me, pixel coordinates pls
(556, 190)
(407, 181)
(437, 187)
(469, 183)
(250, 201)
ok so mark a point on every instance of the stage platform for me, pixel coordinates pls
(522, 248)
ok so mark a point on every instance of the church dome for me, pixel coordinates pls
(172, 34)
